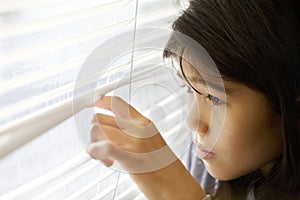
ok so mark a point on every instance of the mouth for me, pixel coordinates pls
(203, 154)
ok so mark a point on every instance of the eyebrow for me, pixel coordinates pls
(217, 87)
(214, 86)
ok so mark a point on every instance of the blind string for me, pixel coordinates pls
(130, 75)
(133, 46)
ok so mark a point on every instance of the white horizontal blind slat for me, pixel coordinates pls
(18, 5)
(77, 193)
(126, 193)
(18, 82)
(67, 181)
(140, 197)
(47, 48)
(14, 30)
(110, 188)
(21, 81)
(69, 165)
(87, 187)
(13, 57)
(15, 83)
(13, 5)
(13, 135)
(28, 53)
(17, 134)
(24, 105)
(75, 162)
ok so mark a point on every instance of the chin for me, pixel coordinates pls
(225, 174)
(222, 176)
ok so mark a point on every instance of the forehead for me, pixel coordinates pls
(199, 64)
(199, 74)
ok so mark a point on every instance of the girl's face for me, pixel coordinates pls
(250, 136)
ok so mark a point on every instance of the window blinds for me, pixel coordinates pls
(43, 45)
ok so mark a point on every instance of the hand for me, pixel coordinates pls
(127, 137)
(135, 143)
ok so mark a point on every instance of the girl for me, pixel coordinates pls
(255, 47)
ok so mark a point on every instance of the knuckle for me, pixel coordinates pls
(117, 98)
(108, 149)
(99, 150)
(94, 118)
(92, 149)
(95, 129)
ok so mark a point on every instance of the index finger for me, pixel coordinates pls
(121, 108)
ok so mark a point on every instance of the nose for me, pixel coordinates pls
(198, 117)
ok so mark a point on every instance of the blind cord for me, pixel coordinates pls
(133, 46)
(130, 76)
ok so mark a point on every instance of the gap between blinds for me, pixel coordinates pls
(24, 129)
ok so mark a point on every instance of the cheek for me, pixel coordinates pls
(246, 144)
(251, 126)
(247, 134)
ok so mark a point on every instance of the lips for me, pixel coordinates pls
(201, 153)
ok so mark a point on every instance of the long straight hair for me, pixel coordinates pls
(255, 43)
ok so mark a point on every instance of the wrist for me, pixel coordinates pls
(172, 182)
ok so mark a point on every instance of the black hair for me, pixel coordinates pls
(255, 43)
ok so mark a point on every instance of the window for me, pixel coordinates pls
(43, 46)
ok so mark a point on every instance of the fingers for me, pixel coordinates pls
(96, 135)
(104, 119)
(127, 137)
(121, 109)
(107, 152)
(114, 135)
(127, 119)
(132, 162)
(101, 132)
(103, 150)
(107, 162)
(127, 126)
